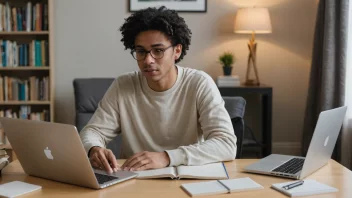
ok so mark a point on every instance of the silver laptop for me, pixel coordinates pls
(54, 151)
(319, 152)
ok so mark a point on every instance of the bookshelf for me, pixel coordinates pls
(26, 60)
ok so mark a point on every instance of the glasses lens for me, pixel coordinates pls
(157, 53)
(138, 54)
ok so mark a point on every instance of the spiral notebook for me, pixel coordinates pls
(309, 187)
(221, 186)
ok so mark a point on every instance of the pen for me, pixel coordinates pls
(290, 186)
(227, 188)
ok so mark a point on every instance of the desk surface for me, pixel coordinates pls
(332, 174)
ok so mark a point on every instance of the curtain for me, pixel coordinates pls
(346, 158)
(327, 76)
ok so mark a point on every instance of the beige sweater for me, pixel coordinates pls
(188, 121)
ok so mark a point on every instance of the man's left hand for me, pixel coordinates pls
(146, 160)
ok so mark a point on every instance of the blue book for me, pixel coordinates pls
(38, 53)
(3, 53)
(19, 20)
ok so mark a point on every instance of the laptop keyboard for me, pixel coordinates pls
(292, 166)
(104, 178)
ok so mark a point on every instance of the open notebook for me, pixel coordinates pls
(208, 171)
(221, 186)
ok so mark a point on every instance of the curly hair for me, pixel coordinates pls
(161, 19)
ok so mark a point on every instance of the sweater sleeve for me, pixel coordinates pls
(105, 122)
(215, 122)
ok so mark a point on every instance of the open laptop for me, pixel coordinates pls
(54, 151)
(319, 152)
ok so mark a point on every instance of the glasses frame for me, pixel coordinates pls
(149, 52)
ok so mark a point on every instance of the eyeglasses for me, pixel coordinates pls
(156, 53)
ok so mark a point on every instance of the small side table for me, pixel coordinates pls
(266, 93)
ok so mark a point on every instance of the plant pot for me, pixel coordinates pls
(227, 70)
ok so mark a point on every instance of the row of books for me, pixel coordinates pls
(228, 81)
(15, 89)
(13, 54)
(26, 113)
(31, 17)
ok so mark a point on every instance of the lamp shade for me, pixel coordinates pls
(255, 20)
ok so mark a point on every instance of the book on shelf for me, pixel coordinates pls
(207, 171)
(28, 17)
(2, 137)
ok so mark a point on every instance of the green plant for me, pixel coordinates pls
(227, 59)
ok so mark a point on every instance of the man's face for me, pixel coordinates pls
(158, 67)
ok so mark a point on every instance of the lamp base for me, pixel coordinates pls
(251, 83)
(252, 62)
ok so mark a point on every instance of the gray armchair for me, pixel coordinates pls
(89, 91)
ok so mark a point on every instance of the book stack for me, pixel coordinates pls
(228, 81)
(4, 159)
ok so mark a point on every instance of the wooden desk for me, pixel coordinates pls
(332, 174)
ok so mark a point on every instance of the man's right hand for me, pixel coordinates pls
(102, 158)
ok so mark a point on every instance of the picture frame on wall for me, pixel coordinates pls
(178, 5)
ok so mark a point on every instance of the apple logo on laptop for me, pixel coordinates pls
(48, 154)
(326, 141)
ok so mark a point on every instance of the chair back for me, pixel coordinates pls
(236, 106)
(88, 93)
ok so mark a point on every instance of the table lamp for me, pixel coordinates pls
(252, 21)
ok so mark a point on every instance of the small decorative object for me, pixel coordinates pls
(178, 5)
(252, 21)
(227, 59)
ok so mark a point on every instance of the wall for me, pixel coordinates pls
(87, 44)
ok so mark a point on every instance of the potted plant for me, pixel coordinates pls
(227, 59)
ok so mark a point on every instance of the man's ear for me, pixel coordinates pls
(178, 51)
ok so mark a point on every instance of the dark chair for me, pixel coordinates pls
(88, 93)
(236, 106)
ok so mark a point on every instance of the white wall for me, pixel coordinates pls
(87, 44)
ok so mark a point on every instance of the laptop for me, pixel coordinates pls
(319, 152)
(54, 151)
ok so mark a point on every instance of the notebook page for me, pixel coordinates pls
(207, 171)
(204, 188)
(157, 173)
(309, 187)
(241, 184)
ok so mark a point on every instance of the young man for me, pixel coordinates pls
(167, 115)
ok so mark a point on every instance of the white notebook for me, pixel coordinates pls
(221, 186)
(309, 187)
(208, 171)
(17, 188)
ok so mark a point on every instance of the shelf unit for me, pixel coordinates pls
(25, 38)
